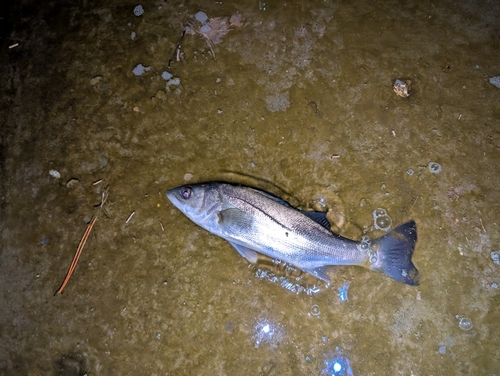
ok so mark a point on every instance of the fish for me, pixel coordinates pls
(255, 222)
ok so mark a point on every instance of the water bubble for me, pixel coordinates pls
(365, 243)
(464, 323)
(410, 172)
(381, 220)
(442, 350)
(315, 310)
(383, 223)
(434, 167)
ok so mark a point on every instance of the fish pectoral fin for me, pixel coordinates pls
(247, 253)
(319, 272)
(318, 217)
(234, 219)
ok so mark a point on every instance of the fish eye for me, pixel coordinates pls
(186, 192)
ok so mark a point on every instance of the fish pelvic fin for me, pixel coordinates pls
(246, 252)
(392, 254)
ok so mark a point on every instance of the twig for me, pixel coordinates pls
(176, 56)
(414, 202)
(480, 220)
(130, 217)
(104, 196)
(79, 250)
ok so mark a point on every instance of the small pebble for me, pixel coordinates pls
(495, 81)
(139, 10)
(133, 35)
(205, 29)
(73, 182)
(188, 176)
(55, 174)
(140, 69)
(201, 17)
(401, 88)
(176, 81)
(442, 350)
(495, 256)
(95, 80)
(166, 75)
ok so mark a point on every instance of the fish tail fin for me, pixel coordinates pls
(393, 252)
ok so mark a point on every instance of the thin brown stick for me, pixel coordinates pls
(177, 52)
(78, 252)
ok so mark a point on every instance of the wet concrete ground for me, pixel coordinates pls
(297, 100)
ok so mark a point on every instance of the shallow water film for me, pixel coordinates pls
(379, 112)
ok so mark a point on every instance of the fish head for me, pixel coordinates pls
(198, 202)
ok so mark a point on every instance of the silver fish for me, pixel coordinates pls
(253, 221)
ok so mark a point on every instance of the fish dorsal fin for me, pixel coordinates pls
(318, 217)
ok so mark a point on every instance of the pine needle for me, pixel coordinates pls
(79, 250)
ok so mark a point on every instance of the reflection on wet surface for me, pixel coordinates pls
(337, 364)
(295, 98)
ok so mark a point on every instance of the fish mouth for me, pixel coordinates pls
(173, 196)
